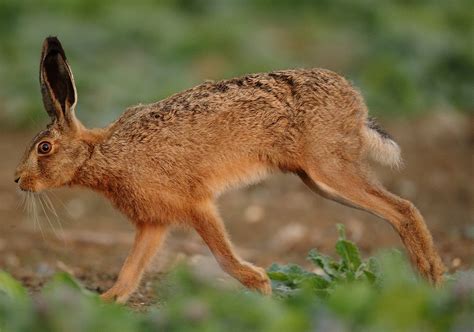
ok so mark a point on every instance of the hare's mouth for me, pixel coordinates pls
(27, 186)
(28, 190)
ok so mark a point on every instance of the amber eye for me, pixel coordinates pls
(44, 147)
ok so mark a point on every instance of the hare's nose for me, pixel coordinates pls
(17, 179)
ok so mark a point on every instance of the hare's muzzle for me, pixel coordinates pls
(17, 174)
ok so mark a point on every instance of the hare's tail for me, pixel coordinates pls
(381, 146)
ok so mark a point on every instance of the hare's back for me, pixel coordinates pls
(229, 130)
(261, 111)
(281, 93)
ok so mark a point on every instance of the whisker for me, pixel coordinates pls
(21, 201)
(62, 203)
(25, 204)
(30, 201)
(35, 215)
(24, 198)
(49, 204)
(52, 209)
(29, 209)
(41, 203)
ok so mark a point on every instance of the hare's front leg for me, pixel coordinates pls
(210, 227)
(147, 240)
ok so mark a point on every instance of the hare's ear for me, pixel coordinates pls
(57, 83)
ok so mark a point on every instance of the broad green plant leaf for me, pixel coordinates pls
(62, 279)
(348, 251)
(329, 266)
(11, 287)
(293, 275)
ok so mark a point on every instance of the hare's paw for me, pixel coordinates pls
(430, 267)
(437, 269)
(108, 296)
(257, 279)
(116, 294)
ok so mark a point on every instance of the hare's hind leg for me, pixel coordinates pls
(352, 186)
(209, 226)
(147, 240)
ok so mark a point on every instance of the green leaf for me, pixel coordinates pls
(328, 265)
(11, 287)
(62, 279)
(316, 282)
(291, 273)
(341, 229)
(348, 251)
(278, 276)
(373, 265)
(371, 277)
(287, 280)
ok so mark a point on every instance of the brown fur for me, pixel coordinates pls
(163, 164)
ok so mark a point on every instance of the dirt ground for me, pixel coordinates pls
(279, 220)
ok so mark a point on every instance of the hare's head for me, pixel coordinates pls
(55, 154)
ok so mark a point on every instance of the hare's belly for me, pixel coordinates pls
(237, 175)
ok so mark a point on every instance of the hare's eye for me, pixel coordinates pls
(44, 147)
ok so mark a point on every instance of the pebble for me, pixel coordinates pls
(456, 262)
(254, 214)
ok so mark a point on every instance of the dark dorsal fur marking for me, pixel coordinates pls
(372, 124)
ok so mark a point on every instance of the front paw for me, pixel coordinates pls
(108, 296)
(258, 280)
(437, 271)
(115, 295)
(265, 285)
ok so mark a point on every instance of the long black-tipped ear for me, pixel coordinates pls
(57, 82)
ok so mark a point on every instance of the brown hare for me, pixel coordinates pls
(163, 164)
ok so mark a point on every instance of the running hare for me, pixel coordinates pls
(163, 164)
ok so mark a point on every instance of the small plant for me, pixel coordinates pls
(288, 279)
(347, 294)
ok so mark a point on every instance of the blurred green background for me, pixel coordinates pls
(413, 62)
(407, 57)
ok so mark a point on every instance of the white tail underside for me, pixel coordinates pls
(382, 149)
